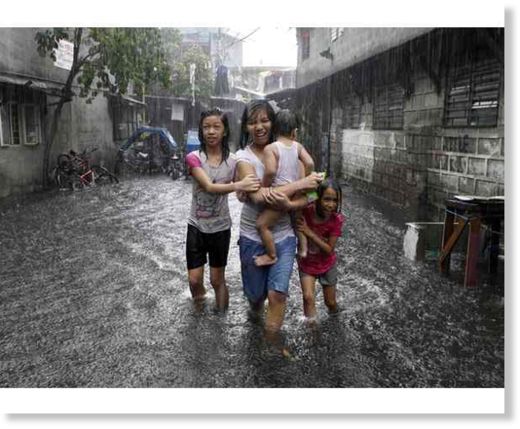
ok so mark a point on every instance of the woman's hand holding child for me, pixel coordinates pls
(250, 183)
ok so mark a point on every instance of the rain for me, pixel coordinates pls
(93, 281)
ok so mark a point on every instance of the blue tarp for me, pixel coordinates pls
(141, 134)
(192, 141)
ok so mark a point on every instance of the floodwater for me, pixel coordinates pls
(94, 294)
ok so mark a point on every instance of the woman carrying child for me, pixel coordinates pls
(209, 223)
(272, 281)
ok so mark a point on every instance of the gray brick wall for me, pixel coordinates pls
(424, 158)
(422, 164)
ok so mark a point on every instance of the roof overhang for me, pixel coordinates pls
(32, 83)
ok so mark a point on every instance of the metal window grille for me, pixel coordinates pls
(14, 115)
(31, 124)
(472, 95)
(20, 121)
(388, 107)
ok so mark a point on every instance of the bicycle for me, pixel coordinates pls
(140, 162)
(74, 171)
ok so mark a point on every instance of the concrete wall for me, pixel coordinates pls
(18, 55)
(416, 167)
(352, 46)
(423, 164)
(81, 126)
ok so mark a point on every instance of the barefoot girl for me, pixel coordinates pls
(321, 223)
(209, 223)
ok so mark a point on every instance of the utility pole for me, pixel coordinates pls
(193, 67)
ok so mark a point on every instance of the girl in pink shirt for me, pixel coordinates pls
(209, 223)
(321, 223)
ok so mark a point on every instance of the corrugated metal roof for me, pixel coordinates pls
(29, 82)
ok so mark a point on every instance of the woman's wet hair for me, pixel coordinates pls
(225, 139)
(323, 186)
(251, 108)
(285, 123)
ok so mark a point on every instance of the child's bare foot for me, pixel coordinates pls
(333, 309)
(286, 353)
(302, 253)
(311, 320)
(199, 302)
(264, 260)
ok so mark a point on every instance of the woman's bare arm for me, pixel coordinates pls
(307, 183)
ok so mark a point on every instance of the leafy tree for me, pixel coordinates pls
(179, 61)
(104, 59)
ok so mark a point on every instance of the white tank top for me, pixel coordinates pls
(288, 166)
(250, 211)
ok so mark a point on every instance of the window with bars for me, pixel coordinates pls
(388, 107)
(472, 95)
(20, 122)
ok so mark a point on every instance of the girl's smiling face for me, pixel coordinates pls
(212, 130)
(259, 127)
(329, 201)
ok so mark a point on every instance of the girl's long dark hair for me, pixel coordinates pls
(324, 185)
(225, 139)
(251, 108)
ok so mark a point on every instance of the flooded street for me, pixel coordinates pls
(94, 293)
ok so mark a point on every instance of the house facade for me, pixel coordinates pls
(411, 115)
(220, 46)
(29, 89)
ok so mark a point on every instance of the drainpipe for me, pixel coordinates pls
(329, 169)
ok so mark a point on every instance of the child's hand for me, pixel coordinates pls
(302, 226)
(278, 200)
(250, 183)
(312, 181)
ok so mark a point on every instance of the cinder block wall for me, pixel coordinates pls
(416, 167)
(423, 164)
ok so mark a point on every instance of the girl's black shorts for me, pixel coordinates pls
(199, 244)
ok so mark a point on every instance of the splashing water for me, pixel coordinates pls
(94, 294)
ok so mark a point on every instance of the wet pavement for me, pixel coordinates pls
(94, 294)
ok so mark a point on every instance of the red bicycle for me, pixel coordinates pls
(74, 171)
